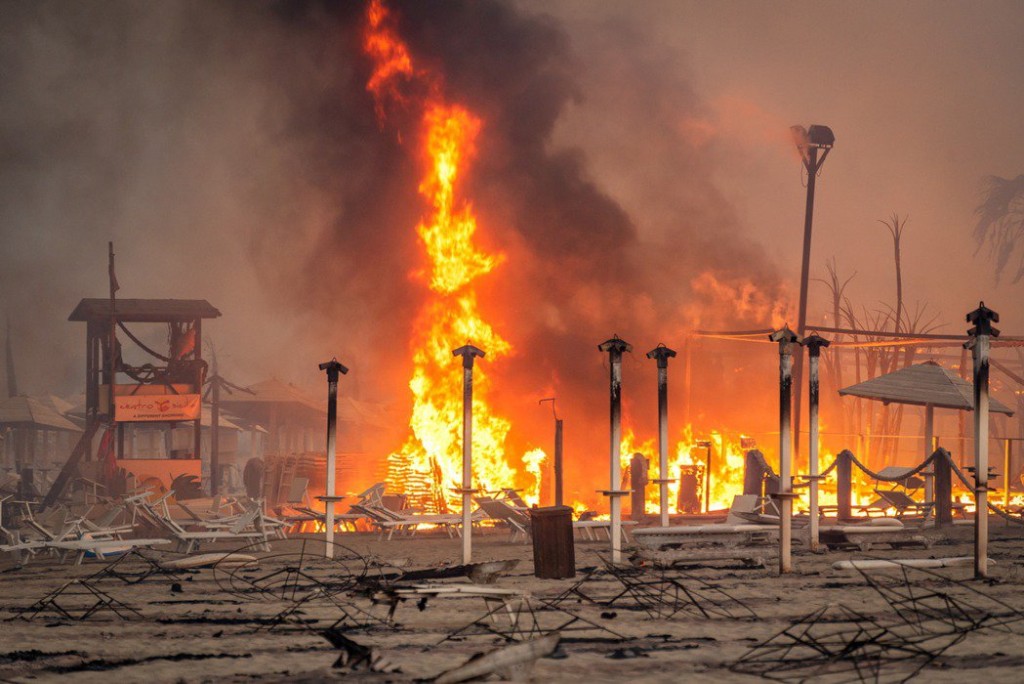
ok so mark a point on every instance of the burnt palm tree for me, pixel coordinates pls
(1001, 222)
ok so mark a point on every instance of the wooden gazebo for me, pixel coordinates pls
(925, 384)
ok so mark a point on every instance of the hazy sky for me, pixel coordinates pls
(182, 131)
(925, 99)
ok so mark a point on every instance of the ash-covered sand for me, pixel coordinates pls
(213, 629)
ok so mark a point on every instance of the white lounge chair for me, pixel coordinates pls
(388, 522)
(188, 541)
(738, 529)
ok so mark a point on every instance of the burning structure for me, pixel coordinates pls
(457, 149)
(444, 137)
(514, 243)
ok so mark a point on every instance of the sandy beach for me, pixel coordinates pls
(227, 625)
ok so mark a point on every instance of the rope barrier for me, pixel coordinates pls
(991, 506)
(902, 476)
(1018, 520)
(821, 476)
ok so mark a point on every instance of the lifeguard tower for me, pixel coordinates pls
(167, 388)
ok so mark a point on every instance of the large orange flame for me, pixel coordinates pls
(429, 464)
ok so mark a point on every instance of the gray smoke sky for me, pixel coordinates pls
(923, 97)
(230, 151)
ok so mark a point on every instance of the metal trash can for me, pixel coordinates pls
(554, 555)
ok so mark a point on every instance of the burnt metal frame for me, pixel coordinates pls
(661, 596)
(524, 621)
(100, 600)
(925, 622)
(837, 641)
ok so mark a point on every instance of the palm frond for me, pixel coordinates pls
(1001, 222)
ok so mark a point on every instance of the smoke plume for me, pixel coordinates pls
(232, 153)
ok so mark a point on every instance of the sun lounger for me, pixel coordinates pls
(517, 521)
(754, 556)
(589, 529)
(873, 532)
(388, 522)
(903, 504)
(514, 498)
(188, 541)
(737, 530)
(746, 534)
(76, 535)
(101, 548)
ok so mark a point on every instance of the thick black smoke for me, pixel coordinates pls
(232, 153)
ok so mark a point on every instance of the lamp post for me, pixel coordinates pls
(334, 369)
(468, 353)
(814, 343)
(981, 335)
(662, 354)
(808, 141)
(787, 340)
(614, 348)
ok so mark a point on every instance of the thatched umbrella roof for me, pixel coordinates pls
(29, 412)
(924, 384)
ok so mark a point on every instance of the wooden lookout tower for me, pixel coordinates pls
(166, 388)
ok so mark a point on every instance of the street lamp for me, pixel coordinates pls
(808, 141)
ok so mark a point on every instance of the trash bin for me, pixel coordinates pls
(554, 556)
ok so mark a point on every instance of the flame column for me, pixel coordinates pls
(814, 343)
(334, 369)
(614, 347)
(468, 353)
(786, 339)
(662, 354)
(981, 335)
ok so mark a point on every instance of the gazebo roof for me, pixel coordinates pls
(144, 310)
(922, 385)
(283, 394)
(274, 391)
(29, 412)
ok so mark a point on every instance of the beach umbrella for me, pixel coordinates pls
(925, 384)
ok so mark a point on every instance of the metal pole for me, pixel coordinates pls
(468, 352)
(814, 343)
(215, 434)
(844, 486)
(981, 334)
(786, 339)
(1007, 453)
(943, 489)
(811, 164)
(929, 449)
(662, 354)
(558, 462)
(707, 479)
(334, 369)
(614, 347)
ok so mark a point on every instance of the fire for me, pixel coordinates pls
(390, 57)
(429, 464)
(533, 461)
